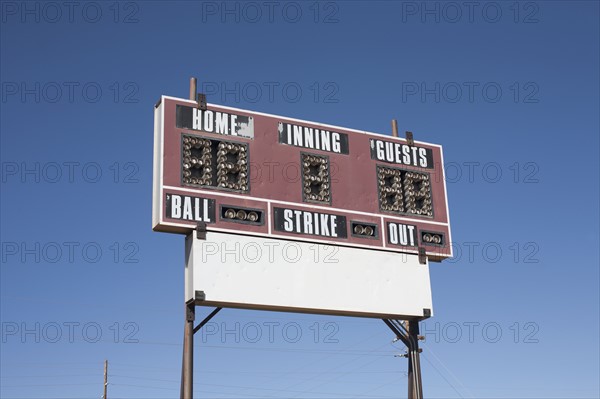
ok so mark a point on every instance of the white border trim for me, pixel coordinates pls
(449, 243)
(157, 166)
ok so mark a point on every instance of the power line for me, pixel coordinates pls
(48, 385)
(234, 387)
(429, 350)
(283, 390)
(145, 386)
(444, 377)
(356, 358)
(49, 376)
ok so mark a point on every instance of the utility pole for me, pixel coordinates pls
(105, 378)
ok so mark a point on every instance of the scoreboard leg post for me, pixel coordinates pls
(187, 370)
(187, 364)
(415, 388)
(408, 333)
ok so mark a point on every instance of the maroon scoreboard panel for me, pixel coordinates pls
(257, 174)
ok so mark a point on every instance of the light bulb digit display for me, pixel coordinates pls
(315, 178)
(417, 194)
(404, 192)
(215, 163)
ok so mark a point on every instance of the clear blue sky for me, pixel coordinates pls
(509, 89)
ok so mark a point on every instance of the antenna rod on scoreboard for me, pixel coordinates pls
(193, 88)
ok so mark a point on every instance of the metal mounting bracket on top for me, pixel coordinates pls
(201, 101)
(409, 138)
(200, 98)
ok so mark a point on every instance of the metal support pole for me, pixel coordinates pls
(187, 372)
(394, 128)
(408, 333)
(411, 374)
(415, 389)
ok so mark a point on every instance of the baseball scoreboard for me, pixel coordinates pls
(271, 176)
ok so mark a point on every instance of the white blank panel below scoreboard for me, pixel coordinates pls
(266, 274)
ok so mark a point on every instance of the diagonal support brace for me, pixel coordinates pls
(206, 320)
(399, 330)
